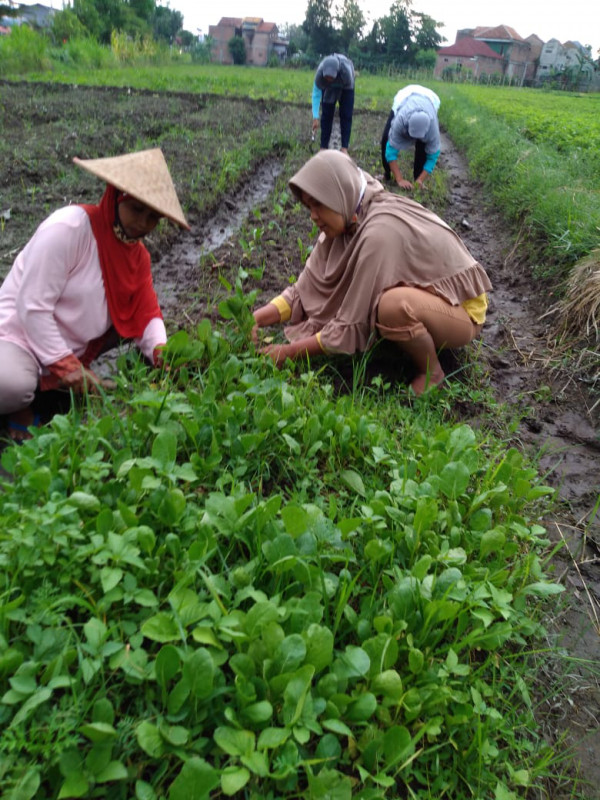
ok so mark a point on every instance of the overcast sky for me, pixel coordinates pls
(576, 20)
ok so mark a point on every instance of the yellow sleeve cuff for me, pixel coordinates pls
(283, 307)
(476, 308)
(320, 342)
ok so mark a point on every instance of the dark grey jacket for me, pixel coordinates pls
(344, 79)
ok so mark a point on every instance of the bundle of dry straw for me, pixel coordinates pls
(580, 308)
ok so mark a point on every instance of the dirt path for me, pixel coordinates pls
(556, 423)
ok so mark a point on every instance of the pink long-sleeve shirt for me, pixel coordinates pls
(52, 302)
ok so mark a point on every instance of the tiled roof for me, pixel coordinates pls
(499, 32)
(468, 48)
(237, 22)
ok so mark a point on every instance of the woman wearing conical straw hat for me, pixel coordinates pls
(82, 279)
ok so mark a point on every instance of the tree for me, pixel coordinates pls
(352, 22)
(318, 25)
(581, 72)
(66, 25)
(87, 13)
(425, 59)
(396, 32)
(185, 39)
(426, 34)
(237, 49)
(374, 41)
(9, 11)
(101, 17)
(296, 36)
(166, 23)
(144, 9)
(133, 25)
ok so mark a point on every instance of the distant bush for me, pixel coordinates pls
(237, 49)
(84, 52)
(200, 51)
(23, 51)
(127, 50)
(66, 25)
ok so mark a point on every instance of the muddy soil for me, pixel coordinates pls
(554, 417)
(559, 427)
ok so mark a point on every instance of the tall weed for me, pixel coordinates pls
(84, 53)
(23, 51)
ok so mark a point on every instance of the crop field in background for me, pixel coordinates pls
(568, 122)
(537, 152)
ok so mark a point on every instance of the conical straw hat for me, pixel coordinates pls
(144, 175)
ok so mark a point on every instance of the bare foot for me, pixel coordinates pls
(19, 423)
(427, 380)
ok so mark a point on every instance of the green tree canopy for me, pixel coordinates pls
(296, 36)
(351, 22)
(426, 33)
(318, 25)
(396, 32)
(425, 59)
(166, 23)
(8, 11)
(395, 38)
(144, 9)
(67, 25)
(101, 17)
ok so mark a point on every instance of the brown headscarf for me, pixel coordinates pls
(390, 241)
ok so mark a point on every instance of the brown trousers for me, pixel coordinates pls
(405, 313)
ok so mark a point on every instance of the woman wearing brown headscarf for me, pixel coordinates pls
(383, 265)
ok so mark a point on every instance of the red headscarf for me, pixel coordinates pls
(130, 294)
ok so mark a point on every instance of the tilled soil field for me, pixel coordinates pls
(230, 160)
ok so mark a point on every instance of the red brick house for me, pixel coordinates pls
(513, 57)
(469, 56)
(520, 55)
(261, 39)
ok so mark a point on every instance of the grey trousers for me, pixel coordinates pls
(19, 377)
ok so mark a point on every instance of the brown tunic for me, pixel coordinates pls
(393, 242)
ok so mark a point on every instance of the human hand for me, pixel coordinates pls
(158, 356)
(315, 125)
(279, 353)
(82, 380)
(403, 183)
(254, 334)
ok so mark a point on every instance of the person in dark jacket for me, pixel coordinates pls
(334, 83)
